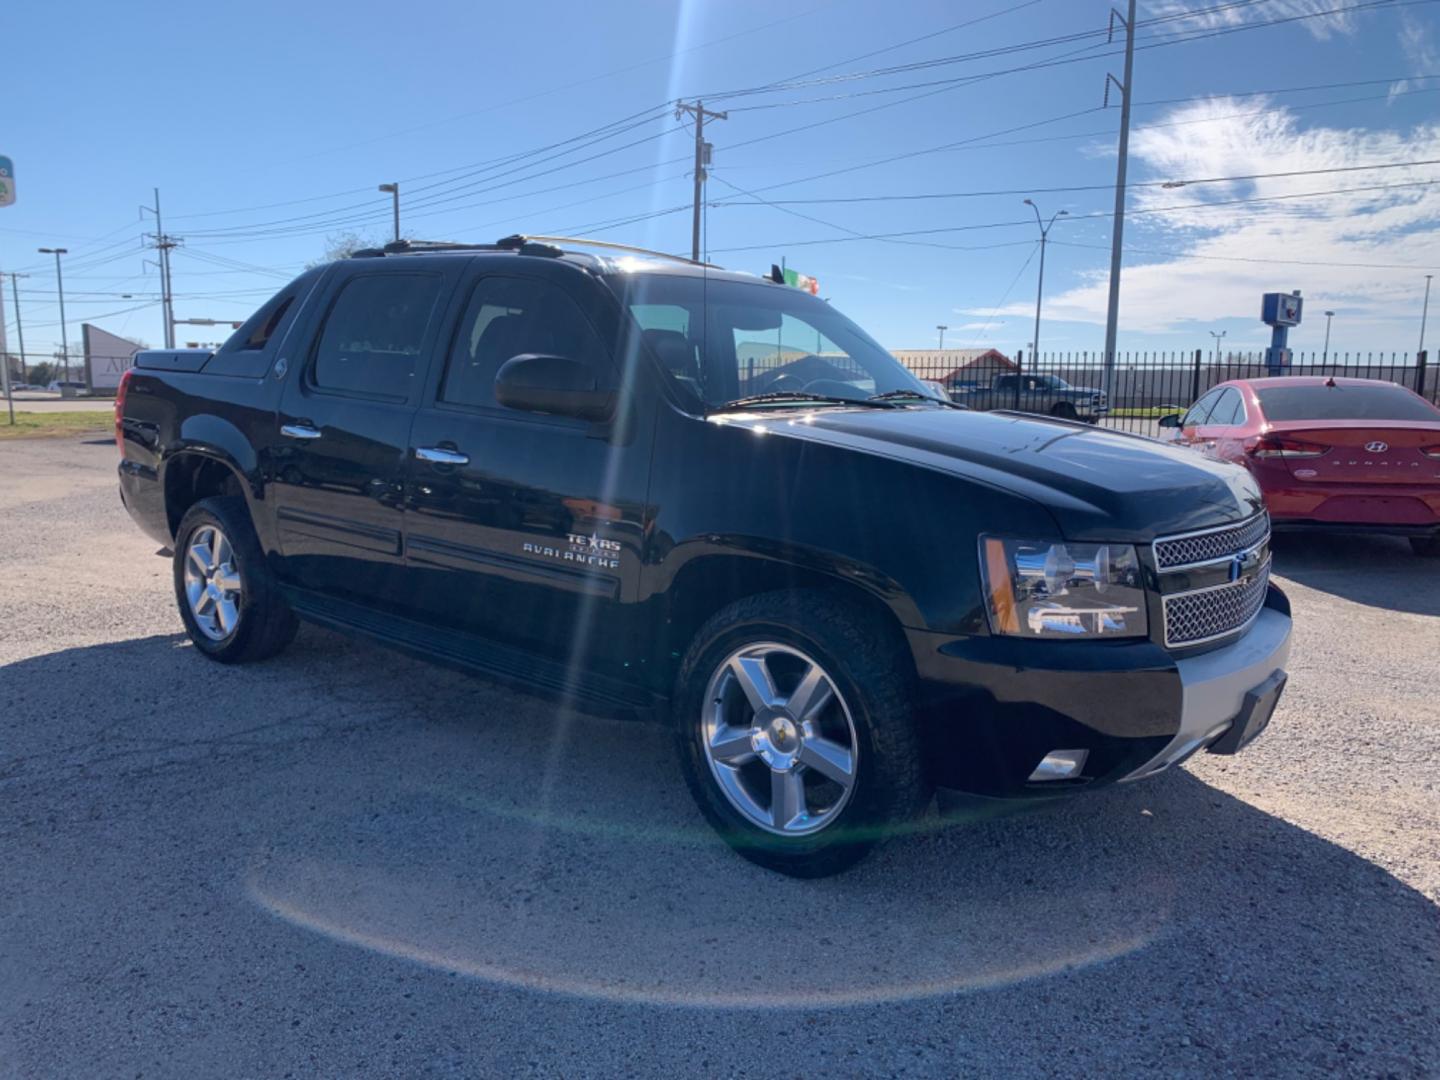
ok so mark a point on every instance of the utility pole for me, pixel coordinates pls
(394, 191)
(19, 326)
(5, 364)
(702, 159)
(1112, 315)
(60, 286)
(1040, 286)
(942, 330)
(1425, 311)
(163, 244)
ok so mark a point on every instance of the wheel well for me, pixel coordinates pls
(706, 585)
(192, 477)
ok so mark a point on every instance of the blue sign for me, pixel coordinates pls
(7, 181)
(1280, 309)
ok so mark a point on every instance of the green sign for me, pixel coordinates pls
(7, 181)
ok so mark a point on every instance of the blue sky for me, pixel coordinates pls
(237, 111)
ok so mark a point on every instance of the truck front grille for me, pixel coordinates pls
(1206, 614)
(1194, 616)
(1211, 546)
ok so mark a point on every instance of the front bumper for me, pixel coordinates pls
(992, 708)
(1213, 688)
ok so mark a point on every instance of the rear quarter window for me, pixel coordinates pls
(250, 350)
(1342, 402)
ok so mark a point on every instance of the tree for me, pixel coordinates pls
(42, 373)
(342, 245)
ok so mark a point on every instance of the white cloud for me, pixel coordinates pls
(1420, 51)
(1320, 26)
(993, 325)
(1186, 265)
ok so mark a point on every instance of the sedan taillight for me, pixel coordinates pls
(1277, 446)
(1431, 451)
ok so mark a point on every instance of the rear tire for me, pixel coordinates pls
(228, 600)
(1426, 546)
(807, 793)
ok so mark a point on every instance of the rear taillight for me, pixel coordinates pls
(1276, 446)
(120, 392)
(1431, 451)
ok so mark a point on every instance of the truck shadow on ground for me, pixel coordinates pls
(1377, 571)
(438, 820)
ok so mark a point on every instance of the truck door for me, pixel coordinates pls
(344, 424)
(523, 527)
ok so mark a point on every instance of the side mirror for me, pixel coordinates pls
(538, 382)
(1171, 420)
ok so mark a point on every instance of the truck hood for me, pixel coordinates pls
(1097, 484)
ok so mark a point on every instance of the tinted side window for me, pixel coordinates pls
(1227, 410)
(1200, 410)
(373, 335)
(508, 316)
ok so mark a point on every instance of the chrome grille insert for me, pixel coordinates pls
(1205, 614)
(1173, 552)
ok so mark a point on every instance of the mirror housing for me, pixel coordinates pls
(542, 383)
(1170, 420)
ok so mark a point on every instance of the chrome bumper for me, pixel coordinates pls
(1213, 688)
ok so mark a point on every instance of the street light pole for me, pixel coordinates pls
(1325, 356)
(942, 330)
(394, 191)
(1040, 285)
(1217, 338)
(60, 287)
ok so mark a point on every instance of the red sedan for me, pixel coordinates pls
(1346, 455)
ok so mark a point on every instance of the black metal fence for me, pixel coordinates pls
(1146, 385)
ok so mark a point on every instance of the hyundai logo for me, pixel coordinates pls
(1377, 447)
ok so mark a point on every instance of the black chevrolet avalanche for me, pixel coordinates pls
(655, 488)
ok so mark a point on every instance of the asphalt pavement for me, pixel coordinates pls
(343, 862)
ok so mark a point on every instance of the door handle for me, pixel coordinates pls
(441, 456)
(299, 431)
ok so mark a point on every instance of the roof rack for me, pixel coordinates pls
(522, 244)
(584, 242)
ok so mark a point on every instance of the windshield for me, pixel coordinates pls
(724, 340)
(1342, 402)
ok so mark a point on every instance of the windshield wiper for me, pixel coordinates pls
(914, 395)
(800, 396)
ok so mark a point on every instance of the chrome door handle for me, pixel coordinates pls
(440, 456)
(299, 431)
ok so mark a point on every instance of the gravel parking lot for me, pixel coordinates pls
(344, 862)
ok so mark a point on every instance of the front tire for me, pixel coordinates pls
(795, 728)
(1426, 546)
(1063, 411)
(228, 601)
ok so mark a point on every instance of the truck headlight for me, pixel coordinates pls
(1048, 589)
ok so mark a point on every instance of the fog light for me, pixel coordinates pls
(1060, 765)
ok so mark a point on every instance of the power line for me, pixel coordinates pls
(1249, 259)
(1097, 215)
(1082, 187)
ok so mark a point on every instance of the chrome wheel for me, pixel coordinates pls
(779, 739)
(212, 583)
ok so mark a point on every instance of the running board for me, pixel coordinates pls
(505, 664)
